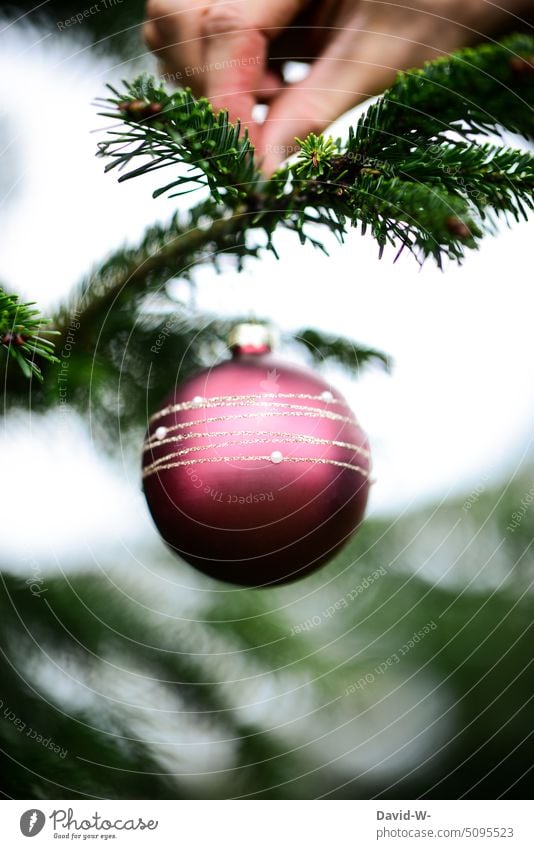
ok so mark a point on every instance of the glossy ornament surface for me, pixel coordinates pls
(256, 471)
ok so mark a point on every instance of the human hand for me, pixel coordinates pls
(232, 51)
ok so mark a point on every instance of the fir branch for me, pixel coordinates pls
(163, 254)
(324, 347)
(128, 342)
(476, 90)
(424, 218)
(20, 326)
(165, 129)
(482, 89)
(399, 174)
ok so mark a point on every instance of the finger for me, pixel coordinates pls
(173, 32)
(270, 87)
(151, 35)
(236, 36)
(357, 64)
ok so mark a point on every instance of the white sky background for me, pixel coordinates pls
(460, 402)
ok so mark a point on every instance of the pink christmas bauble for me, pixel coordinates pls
(256, 471)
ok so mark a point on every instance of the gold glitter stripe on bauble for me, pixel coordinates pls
(281, 435)
(295, 440)
(267, 457)
(302, 412)
(296, 437)
(234, 400)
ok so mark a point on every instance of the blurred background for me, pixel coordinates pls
(404, 668)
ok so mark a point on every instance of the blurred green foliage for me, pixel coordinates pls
(114, 29)
(283, 693)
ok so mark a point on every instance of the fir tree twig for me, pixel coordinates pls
(401, 174)
(20, 339)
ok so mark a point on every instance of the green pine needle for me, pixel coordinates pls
(315, 156)
(20, 326)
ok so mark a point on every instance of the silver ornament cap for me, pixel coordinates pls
(251, 338)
